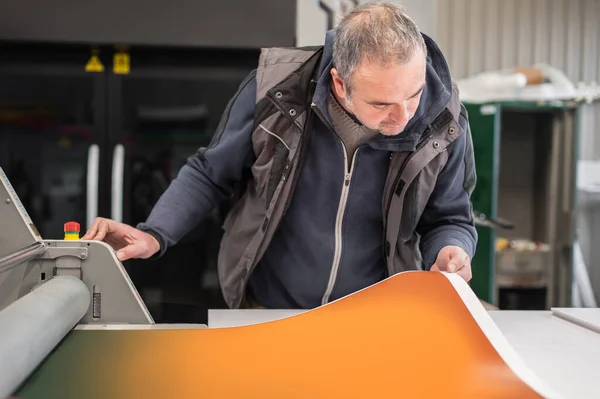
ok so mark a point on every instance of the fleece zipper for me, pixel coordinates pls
(337, 256)
(348, 171)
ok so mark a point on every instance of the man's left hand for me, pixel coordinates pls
(453, 259)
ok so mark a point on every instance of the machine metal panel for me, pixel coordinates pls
(113, 297)
(16, 233)
(22, 232)
(25, 266)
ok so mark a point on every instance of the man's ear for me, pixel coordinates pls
(338, 83)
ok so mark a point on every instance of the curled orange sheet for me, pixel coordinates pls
(414, 335)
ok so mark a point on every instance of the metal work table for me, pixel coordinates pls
(563, 354)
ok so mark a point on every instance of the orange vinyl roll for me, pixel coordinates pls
(414, 335)
(410, 336)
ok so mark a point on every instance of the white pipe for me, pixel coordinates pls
(32, 326)
(93, 167)
(118, 168)
(575, 296)
(582, 279)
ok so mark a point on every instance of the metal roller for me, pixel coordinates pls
(32, 326)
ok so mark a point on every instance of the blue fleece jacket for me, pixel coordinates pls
(296, 268)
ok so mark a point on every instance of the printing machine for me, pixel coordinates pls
(49, 288)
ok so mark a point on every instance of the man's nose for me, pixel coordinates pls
(400, 114)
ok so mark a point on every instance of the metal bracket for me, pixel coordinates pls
(57, 252)
(68, 259)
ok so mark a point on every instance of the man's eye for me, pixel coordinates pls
(380, 106)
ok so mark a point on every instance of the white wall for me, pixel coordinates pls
(478, 35)
(423, 12)
(311, 20)
(311, 23)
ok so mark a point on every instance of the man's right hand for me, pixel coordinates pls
(128, 241)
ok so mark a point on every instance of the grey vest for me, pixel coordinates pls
(283, 115)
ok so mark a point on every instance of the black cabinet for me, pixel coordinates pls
(77, 145)
(52, 130)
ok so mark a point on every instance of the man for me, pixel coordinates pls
(350, 162)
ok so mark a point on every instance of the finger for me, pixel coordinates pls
(92, 230)
(451, 266)
(444, 264)
(435, 268)
(131, 251)
(115, 242)
(102, 229)
(443, 260)
(465, 272)
(130, 239)
(456, 262)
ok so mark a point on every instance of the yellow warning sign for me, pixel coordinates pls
(94, 64)
(121, 64)
(64, 142)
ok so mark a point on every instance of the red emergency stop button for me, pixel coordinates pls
(72, 227)
(72, 231)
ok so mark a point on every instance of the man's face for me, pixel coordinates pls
(384, 98)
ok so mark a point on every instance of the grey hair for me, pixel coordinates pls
(379, 32)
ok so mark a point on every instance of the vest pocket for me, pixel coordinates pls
(410, 211)
(418, 194)
(264, 148)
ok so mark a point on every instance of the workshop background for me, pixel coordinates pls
(101, 102)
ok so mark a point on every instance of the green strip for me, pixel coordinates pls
(485, 130)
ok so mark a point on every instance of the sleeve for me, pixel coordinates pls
(448, 218)
(209, 176)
